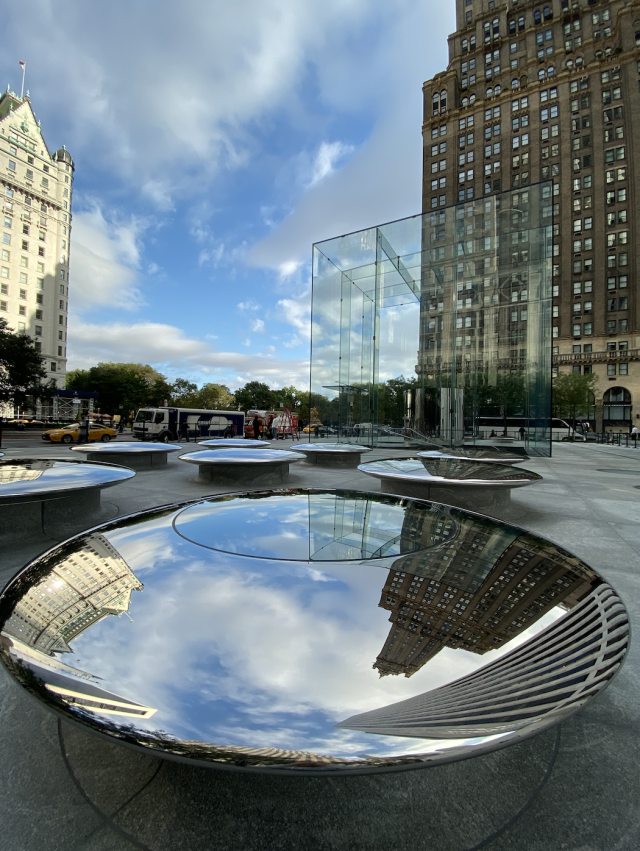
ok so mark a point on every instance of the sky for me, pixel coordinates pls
(214, 143)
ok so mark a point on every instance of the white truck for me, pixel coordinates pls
(167, 424)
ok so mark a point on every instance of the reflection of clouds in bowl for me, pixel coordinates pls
(256, 644)
(253, 651)
(317, 525)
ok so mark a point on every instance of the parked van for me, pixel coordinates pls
(167, 424)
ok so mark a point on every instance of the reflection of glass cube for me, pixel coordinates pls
(413, 332)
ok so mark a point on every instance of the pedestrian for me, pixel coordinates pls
(522, 432)
(184, 431)
(270, 427)
(493, 433)
(256, 428)
(316, 431)
(228, 432)
(634, 433)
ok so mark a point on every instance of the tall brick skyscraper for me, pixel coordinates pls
(551, 91)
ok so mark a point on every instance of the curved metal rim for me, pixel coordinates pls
(333, 448)
(114, 448)
(218, 459)
(66, 491)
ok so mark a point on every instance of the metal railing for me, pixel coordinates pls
(612, 439)
(591, 357)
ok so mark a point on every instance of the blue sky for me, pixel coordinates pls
(214, 143)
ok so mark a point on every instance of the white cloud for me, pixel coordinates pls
(105, 262)
(145, 91)
(296, 312)
(326, 158)
(381, 181)
(174, 352)
(257, 325)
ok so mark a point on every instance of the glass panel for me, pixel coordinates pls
(436, 329)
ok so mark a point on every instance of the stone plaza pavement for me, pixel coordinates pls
(575, 787)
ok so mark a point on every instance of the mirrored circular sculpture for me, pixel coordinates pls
(234, 443)
(491, 454)
(139, 455)
(47, 494)
(312, 631)
(463, 482)
(332, 454)
(233, 466)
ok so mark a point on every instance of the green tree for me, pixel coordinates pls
(391, 400)
(21, 368)
(120, 387)
(254, 394)
(573, 395)
(180, 389)
(507, 395)
(210, 396)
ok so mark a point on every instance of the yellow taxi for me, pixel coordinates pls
(71, 433)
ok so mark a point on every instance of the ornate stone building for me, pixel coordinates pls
(551, 91)
(36, 187)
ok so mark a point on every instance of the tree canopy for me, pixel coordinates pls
(574, 395)
(22, 372)
(184, 394)
(121, 387)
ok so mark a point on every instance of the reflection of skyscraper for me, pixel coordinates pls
(430, 608)
(86, 586)
(90, 583)
(24, 471)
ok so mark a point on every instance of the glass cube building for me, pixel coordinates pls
(436, 329)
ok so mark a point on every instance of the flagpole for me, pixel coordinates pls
(24, 68)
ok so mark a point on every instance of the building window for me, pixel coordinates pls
(38, 330)
(54, 366)
(22, 310)
(587, 329)
(611, 369)
(611, 326)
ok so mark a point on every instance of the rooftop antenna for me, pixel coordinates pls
(23, 65)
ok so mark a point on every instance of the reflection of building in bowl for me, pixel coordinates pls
(24, 471)
(88, 584)
(475, 594)
(71, 685)
(374, 526)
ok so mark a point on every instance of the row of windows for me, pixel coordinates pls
(24, 261)
(6, 237)
(585, 329)
(8, 204)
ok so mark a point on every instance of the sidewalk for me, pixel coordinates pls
(575, 787)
